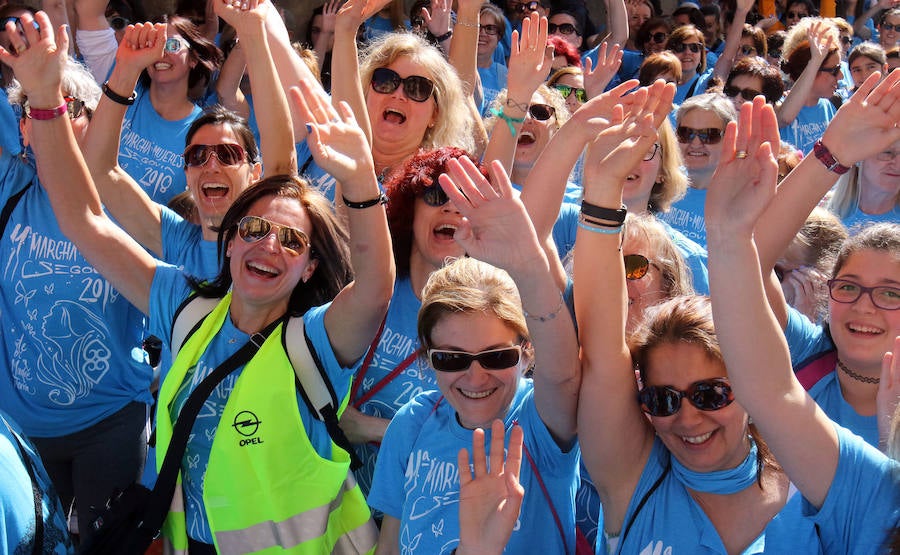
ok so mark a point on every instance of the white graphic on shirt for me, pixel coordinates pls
(656, 549)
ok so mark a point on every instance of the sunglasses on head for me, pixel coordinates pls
(747, 94)
(636, 266)
(566, 91)
(541, 112)
(175, 45)
(659, 38)
(563, 28)
(833, 70)
(664, 400)
(708, 136)
(227, 154)
(253, 229)
(489, 29)
(444, 360)
(415, 87)
(74, 107)
(433, 195)
(694, 47)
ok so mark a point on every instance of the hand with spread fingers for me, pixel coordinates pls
(609, 59)
(37, 59)
(438, 18)
(246, 16)
(528, 67)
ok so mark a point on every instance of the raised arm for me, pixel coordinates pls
(732, 40)
(62, 171)
(597, 77)
(617, 15)
(228, 84)
(616, 437)
(95, 39)
(497, 230)
(821, 42)
(340, 148)
(888, 399)
(463, 53)
(798, 432)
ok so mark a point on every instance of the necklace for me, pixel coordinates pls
(855, 376)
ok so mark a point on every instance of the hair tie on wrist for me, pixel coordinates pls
(117, 98)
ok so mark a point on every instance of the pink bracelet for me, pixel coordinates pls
(44, 114)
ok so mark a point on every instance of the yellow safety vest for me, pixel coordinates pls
(266, 489)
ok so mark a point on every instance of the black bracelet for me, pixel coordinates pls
(380, 199)
(443, 37)
(599, 212)
(117, 98)
(593, 221)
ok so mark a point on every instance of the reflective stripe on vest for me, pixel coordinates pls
(300, 528)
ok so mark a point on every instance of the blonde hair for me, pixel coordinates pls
(551, 96)
(453, 123)
(672, 181)
(676, 276)
(847, 191)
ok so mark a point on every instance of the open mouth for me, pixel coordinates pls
(697, 440)
(861, 330)
(394, 116)
(214, 190)
(162, 66)
(632, 177)
(445, 231)
(262, 270)
(525, 138)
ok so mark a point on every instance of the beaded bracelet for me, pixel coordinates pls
(510, 121)
(550, 315)
(469, 24)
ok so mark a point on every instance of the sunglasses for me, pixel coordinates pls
(566, 91)
(541, 112)
(888, 27)
(659, 38)
(747, 50)
(708, 136)
(434, 196)
(833, 70)
(227, 154)
(664, 400)
(74, 107)
(694, 47)
(652, 152)
(489, 29)
(117, 22)
(797, 15)
(253, 229)
(846, 291)
(636, 266)
(846, 41)
(747, 94)
(415, 87)
(563, 28)
(175, 45)
(457, 361)
(417, 21)
(525, 7)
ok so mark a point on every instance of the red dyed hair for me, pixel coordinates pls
(564, 49)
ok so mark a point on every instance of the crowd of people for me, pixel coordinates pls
(475, 277)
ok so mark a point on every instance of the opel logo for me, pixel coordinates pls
(246, 423)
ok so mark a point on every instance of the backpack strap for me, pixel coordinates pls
(814, 368)
(188, 317)
(10, 205)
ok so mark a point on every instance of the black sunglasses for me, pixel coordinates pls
(566, 91)
(541, 112)
(694, 47)
(664, 400)
(526, 7)
(253, 229)
(433, 195)
(659, 38)
(227, 154)
(563, 28)
(747, 94)
(889, 27)
(117, 22)
(457, 361)
(833, 70)
(636, 266)
(415, 87)
(708, 136)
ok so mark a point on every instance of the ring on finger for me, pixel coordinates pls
(741, 154)
(21, 48)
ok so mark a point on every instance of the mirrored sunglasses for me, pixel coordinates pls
(636, 266)
(415, 87)
(433, 195)
(226, 154)
(566, 91)
(694, 47)
(707, 395)
(253, 229)
(562, 28)
(457, 361)
(541, 112)
(175, 45)
(708, 136)
(747, 94)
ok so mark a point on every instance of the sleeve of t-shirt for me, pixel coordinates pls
(98, 48)
(168, 290)
(548, 455)
(804, 338)
(174, 232)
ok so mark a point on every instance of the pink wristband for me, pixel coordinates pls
(44, 114)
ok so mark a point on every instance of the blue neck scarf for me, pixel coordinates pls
(720, 482)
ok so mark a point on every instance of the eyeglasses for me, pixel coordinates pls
(747, 50)
(846, 291)
(664, 400)
(415, 87)
(708, 136)
(74, 107)
(227, 154)
(563, 28)
(845, 40)
(541, 112)
(175, 45)
(253, 229)
(434, 196)
(636, 266)
(694, 47)
(651, 153)
(833, 70)
(796, 15)
(659, 38)
(887, 155)
(117, 22)
(566, 91)
(523, 7)
(889, 27)
(489, 29)
(747, 94)
(457, 361)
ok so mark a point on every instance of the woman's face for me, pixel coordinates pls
(398, 123)
(657, 41)
(214, 185)
(703, 441)
(744, 84)
(863, 332)
(563, 21)
(576, 82)
(79, 125)
(690, 61)
(640, 181)
(795, 12)
(265, 273)
(890, 37)
(488, 34)
(534, 136)
(315, 31)
(638, 14)
(478, 395)
(826, 82)
(173, 66)
(696, 154)
(862, 67)
(882, 176)
(646, 291)
(433, 230)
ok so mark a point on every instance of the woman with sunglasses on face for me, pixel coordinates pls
(480, 328)
(750, 77)
(284, 255)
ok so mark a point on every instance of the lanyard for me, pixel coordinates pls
(383, 382)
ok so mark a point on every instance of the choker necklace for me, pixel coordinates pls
(720, 482)
(857, 377)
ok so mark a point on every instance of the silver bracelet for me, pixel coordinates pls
(550, 315)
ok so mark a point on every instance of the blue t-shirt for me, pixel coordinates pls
(696, 85)
(694, 256)
(398, 342)
(688, 216)
(17, 503)
(860, 507)
(71, 343)
(809, 125)
(10, 138)
(151, 148)
(856, 217)
(417, 480)
(168, 291)
(629, 69)
(183, 246)
(493, 80)
(318, 178)
(565, 227)
(588, 511)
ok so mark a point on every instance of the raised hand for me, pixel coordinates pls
(245, 16)
(888, 397)
(329, 15)
(36, 58)
(141, 47)
(528, 65)
(609, 59)
(821, 42)
(489, 499)
(438, 19)
(744, 182)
